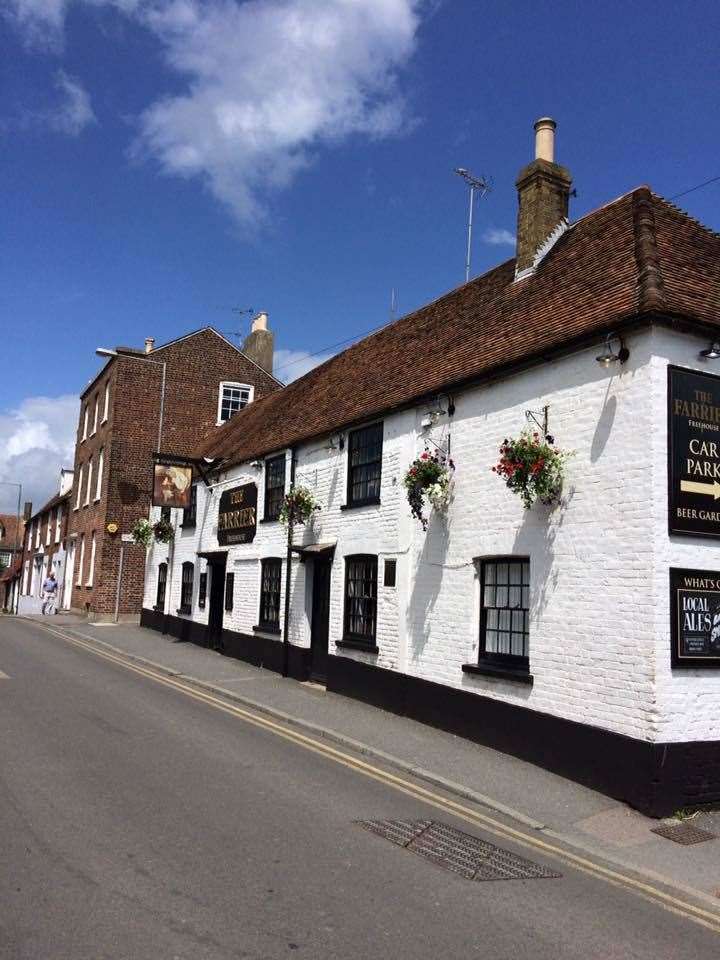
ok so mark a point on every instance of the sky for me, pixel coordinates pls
(167, 164)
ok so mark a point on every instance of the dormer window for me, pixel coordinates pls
(233, 397)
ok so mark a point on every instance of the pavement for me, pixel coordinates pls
(551, 805)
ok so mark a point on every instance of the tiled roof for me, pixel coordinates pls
(52, 502)
(636, 256)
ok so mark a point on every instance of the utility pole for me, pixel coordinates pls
(483, 187)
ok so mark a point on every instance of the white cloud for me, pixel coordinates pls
(36, 440)
(499, 237)
(75, 111)
(289, 365)
(41, 21)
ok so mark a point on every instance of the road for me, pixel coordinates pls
(138, 822)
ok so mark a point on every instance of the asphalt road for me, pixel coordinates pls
(139, 823)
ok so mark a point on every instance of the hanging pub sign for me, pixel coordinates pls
(693, 452)
(695, 618)
(172, 484)
(237, 515)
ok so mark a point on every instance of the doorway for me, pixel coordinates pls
(320, 625)
(216, 600)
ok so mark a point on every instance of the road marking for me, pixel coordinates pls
(647, 891)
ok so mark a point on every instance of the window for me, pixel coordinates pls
(58, 524)
(100, 466)
(81, 561)
(91, 572)
(360, 599)
(504, 611)
(364, 465)
(161, 585)
(270, 576)
(88, 483)
(390, 573)
(186, 587)
(165, 514)
(202, 590)
(189, 517)
(106, 407)
(233, 397)
(229, 590)
(37, 533)
(79, 486)
(274, 487)
(48, 529)
(85, 422)
(95, 415)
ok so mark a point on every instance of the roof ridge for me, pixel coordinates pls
(651, 290)
(683, 213)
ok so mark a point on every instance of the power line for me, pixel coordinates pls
(698, 186)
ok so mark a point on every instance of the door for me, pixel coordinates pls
(69, 567)
(216, 602)
(320, 618)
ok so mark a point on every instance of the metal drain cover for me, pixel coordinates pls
(450, 848)
(683, 833)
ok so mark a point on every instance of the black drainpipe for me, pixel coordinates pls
(288, 567)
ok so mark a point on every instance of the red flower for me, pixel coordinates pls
(425, 456)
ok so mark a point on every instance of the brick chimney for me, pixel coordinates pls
(543, 195)
(260, 343)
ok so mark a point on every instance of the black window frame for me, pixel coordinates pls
(364, 439)
(202, 590)
(229, 591)
(390, 572)
(507, 659)
(275, 492)
(186, 587)
(270, 594)
(189, 516)
(161, 586)
(351, 616)
(165, 514)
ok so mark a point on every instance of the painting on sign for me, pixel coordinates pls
(172, 485)
(237, 515)
(695, 618)
(693, 452)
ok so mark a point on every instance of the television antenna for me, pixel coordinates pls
(483, 185)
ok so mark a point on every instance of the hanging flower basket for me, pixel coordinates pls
(142, 532)
(428, 481)
(163, 531)
(298, 506)
(533, 467)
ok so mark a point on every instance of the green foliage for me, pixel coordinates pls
(298, 506)
(428, 479)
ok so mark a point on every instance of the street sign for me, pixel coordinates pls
(695, 618)
(126, 538)
(693, 453)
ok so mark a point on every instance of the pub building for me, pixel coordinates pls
(582, 635)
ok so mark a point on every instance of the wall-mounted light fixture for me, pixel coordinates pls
(257, 464)
(608, 355)
(712, 352)
(336, 443)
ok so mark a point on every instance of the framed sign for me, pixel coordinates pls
(693, 453)
(172, 485)
(694, 618)
(237, 515)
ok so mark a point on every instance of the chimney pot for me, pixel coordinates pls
(260, 322)
(545, 139)
(149, 344)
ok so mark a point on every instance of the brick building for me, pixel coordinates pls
(583, 636)
(45, 549)
(144, 401)
(10, 538)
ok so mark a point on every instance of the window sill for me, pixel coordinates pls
(495, 670)
(350, 644)
(372, 502)
(259, 628)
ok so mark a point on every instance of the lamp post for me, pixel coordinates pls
(11, 483)
(482, 185)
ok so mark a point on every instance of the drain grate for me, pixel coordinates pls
(450, 848)
(683, 833)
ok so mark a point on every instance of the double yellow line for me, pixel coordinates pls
(647, 891)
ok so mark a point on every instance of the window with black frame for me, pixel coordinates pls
(365, 465)
(229, 591)
(505, 612)
(186, 587)
(274, 487)
(202, 590)
(270, 578)
(189, 517)
(360, 599)
(161, 585)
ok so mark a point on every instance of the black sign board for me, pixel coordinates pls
(237, 516)
(695, 618)
(693, 452)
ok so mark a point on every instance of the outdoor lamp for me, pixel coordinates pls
(712, 352)
(608, 356)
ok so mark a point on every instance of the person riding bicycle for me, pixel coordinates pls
(49, 593)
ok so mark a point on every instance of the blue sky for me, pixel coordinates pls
(162, 162)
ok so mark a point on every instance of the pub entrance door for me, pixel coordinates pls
(216, 602)
(320, 623)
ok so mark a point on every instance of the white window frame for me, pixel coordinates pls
(81, 561)
(106, 408)
(85, 423)
(58, 523)
(88, 483)
(48, 532)
(78, 495)
(91, 571)
(95, 415)
(98, 481)
(37, 533)
(234, 386)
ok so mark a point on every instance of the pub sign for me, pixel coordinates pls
(172, 484)
(693, 452)
(695, 618)
(237, 515)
